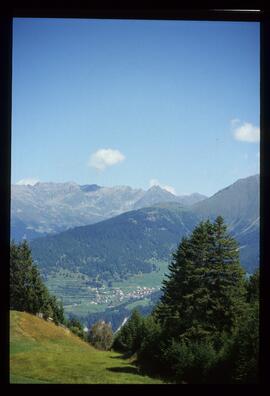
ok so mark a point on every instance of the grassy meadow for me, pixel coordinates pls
(41, 352)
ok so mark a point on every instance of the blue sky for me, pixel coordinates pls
(136, 103)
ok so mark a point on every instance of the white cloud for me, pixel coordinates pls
(28, 181)
(104, 158)
(246, 132)
(155, 182)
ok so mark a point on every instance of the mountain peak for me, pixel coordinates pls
(156, 188)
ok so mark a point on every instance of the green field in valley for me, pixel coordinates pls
(78, 298)
(41, 352)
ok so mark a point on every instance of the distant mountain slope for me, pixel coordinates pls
(239, 205)
(41, 352)
(191, 199)
(154, 195)
(19, 230)
(157, 195)
(134, 241)
(118, 247)
(49, 208)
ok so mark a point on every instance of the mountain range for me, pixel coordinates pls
(137, 240)
(49, 208)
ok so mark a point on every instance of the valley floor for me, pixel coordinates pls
(41, 352)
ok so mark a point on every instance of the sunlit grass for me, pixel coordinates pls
(42, 352)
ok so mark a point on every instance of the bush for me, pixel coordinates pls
(246, 348)
(151, 352)
(190, 362)
(101, 335)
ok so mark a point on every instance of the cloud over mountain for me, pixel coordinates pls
(104, 158)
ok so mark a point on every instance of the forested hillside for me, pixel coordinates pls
(116, 248)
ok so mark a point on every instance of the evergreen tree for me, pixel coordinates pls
(253, 287)
(245, 346)
(225, 281)
(245, 349)
(27, 290)
(150, 355)
(204, 291)
(76, 327)
(57, 310)
(129, 337)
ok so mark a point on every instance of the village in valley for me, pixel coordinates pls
(116, 295)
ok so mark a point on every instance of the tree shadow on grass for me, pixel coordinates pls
(124, 369)
(119, 357)
(123, 356)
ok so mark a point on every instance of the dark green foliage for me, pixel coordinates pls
(57, 310)
(191, 362)
(153, 347)
(245, 353)
(205, 327)
(253, 287)
(245, 346)
(204, 293)
(76, 327)
(27, 290)
(130, 336)
(101, 335)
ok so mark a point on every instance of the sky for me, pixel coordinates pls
(138, 103)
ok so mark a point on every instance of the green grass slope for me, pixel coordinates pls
(41, 352)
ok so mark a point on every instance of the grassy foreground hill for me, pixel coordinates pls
(41, 352)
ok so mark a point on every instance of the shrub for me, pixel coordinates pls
(101, 335)
(190, 362)
(246, 348)
(151, 352)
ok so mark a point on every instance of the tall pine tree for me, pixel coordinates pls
(225, 280)
(27, 290)
(204, 291)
